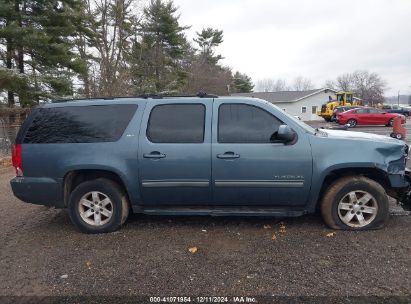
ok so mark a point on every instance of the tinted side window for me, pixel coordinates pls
(374, 111)
(176, 123)
(79, 124)
(363, 111)
(241, 123)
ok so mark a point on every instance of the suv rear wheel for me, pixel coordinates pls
(355, 203)
(98, 206)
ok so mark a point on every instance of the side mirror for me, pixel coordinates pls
(286, 134)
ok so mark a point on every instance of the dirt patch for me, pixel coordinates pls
(5, 162)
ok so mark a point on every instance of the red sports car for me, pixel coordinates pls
(367, 116)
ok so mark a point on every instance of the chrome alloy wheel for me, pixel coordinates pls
(95, 208)
(357, 209)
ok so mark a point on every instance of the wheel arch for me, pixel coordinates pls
(378, 175)
(353, 119)
(75, 177)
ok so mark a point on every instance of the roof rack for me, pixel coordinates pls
(75, 99)
(160, 96)
(144, 96)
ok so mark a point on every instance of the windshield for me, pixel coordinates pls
(303, 125)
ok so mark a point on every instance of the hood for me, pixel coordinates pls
(361, 136)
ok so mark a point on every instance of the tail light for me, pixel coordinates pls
(17, 159)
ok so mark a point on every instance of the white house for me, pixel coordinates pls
(304, 104)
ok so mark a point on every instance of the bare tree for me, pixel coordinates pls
(112, 25)
(369, 86)
(271, 85)
(344, 82)
(208, 78)
(365, 85)
(302, 84)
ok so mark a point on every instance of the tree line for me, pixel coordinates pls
(368, 86)
(96, 48)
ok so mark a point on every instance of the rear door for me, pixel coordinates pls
(376, 117)
(250, 170)
(175, 152)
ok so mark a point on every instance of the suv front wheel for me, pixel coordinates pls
(355, 203)
(98, 206)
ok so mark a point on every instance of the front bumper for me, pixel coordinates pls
(405, 200)
(38, 190)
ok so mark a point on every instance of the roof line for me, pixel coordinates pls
(316, 92)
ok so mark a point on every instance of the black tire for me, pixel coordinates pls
(390, 122)
(341, 189)
(352, 123)
(119, 205)
(327, 119)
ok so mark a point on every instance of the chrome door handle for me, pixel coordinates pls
(154, 154)
(228, 155)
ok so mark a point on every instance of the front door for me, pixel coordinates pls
(363, 117)
(175, 153)
(248, 168)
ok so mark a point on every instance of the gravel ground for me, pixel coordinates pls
(42, 254)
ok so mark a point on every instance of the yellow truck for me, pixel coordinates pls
(343, 99)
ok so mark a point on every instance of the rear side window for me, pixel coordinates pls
(374, 111)
(79, 124)
(241, 123)
(177, 123)
(362, 111)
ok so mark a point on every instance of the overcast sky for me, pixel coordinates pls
(318, 39)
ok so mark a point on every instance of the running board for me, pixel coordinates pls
(222, 211)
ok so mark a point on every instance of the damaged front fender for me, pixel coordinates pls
(394, 162)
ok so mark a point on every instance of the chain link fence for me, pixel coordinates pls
(8, 134)
(10, 123)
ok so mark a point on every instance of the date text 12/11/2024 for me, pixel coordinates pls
(203, 299)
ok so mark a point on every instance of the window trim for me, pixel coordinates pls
(302, 110)
(312, 109)
(176, 143)
(246, 104)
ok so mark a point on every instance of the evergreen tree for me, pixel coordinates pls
(241, 83)
(36, 39)
(204, 72)
(208, 40)
(159, 55)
